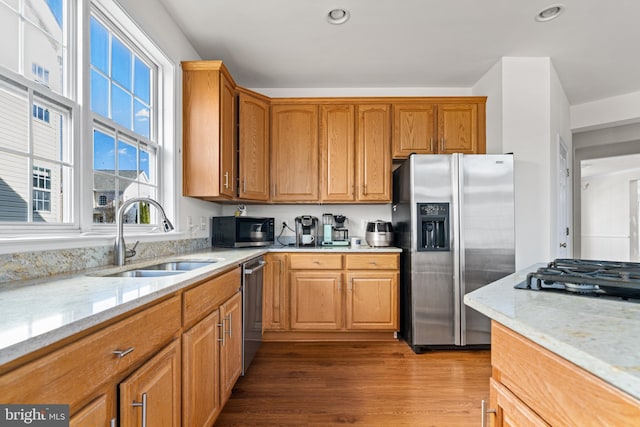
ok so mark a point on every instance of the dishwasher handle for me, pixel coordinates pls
(259, 267)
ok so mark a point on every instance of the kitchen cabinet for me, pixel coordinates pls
(212, 346)
(335, 296)
(294, 153)
(337, 153)
(209, 131)
(253, 146)
(373, 153)
(152, 392)
(531, 386)
(231, 345)
(90, 368)
(275, 294)
(441, 126)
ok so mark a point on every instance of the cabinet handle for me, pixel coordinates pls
(244, 185)
(364, 189)
(143, 405)
(230, 323)
(113, 422)
(221, 325)
(486, 411)
(350, 286)
(431, 144)
(339, 285)
(122, 353)
(226, 180)
(442, 144)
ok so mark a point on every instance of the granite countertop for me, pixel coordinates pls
(598, 335)
(38, 313)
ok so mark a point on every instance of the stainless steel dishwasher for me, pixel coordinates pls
(251, 309)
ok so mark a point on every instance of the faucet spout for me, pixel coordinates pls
(120, 254)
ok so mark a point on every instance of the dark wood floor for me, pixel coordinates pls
(363, 384)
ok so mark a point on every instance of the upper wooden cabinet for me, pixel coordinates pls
(373, 153)
(337, 153)
(294, 153)
(443, 126)
(253, 146)
(209, 131)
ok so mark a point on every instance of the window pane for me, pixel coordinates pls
(14, 119)
(121, 63)
(141, 120)
(147, 166)
(99, 46)
(104, 155)
(47, 54)
(8, 30)
(127, 160)
(49, 134)
(120, 106)
(47, 15)
(14, 188)
(104, 188)
(142, 75)
(99, 94)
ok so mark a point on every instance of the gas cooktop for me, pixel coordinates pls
(605, 279)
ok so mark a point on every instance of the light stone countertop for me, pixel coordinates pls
(598, 335)
(38, 313)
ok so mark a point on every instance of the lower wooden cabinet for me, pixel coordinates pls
(531, 386)
(152, 392)
(96, 414)
(231, 345)
(315, 293)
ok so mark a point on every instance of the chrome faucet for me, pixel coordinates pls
(120, 251)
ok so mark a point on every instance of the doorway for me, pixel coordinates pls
(609, 207)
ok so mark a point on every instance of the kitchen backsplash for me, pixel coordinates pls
(38, 264)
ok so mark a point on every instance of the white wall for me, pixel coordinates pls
(605, 216)
(614, 111)
(527, 119)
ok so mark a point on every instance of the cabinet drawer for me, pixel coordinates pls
(534, 373)
(372, 262)
(69, 375)
(311, 261)
(203, 299)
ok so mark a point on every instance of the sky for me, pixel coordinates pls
(56, 8)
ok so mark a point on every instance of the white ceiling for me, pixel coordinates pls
(414, 43)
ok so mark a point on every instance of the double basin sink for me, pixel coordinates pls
(168, 268)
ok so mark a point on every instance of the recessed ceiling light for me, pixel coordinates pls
(338, 16)
(550, 12)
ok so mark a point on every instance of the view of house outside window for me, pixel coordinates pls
(39, 120)
(35, 155)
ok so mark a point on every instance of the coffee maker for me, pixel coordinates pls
(340, 231)
(306, 230)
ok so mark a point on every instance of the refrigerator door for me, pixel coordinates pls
(486, 233)
(433, 320)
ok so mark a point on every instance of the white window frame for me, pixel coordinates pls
(75, 86)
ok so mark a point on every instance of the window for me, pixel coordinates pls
(43, 123)
(124, 150)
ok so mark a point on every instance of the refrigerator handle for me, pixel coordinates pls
(456, 186)
(461, 252)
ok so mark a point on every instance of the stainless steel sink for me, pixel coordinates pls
(145, 273)
(168, 268)
(179, 265)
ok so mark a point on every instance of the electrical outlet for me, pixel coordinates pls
(189, 222)
(203, 223)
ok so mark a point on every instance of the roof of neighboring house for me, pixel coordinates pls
(103, 182)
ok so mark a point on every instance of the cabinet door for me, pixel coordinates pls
(275, 305)
(253, 148)
(316, 300)
(374, 153)
(458, 128)
(414, 129)
(200, 373)
(337, 153)
(228, 169)
(372, 300)
(153, 390)
(294, 152)
(231, 345)
(511, 411)
(95, 414)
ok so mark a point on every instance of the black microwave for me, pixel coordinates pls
(241, 231)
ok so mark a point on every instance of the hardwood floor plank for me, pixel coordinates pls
(360, 384)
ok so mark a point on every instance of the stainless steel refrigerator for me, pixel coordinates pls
(454, 220)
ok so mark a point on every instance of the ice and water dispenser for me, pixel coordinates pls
(433, 223)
